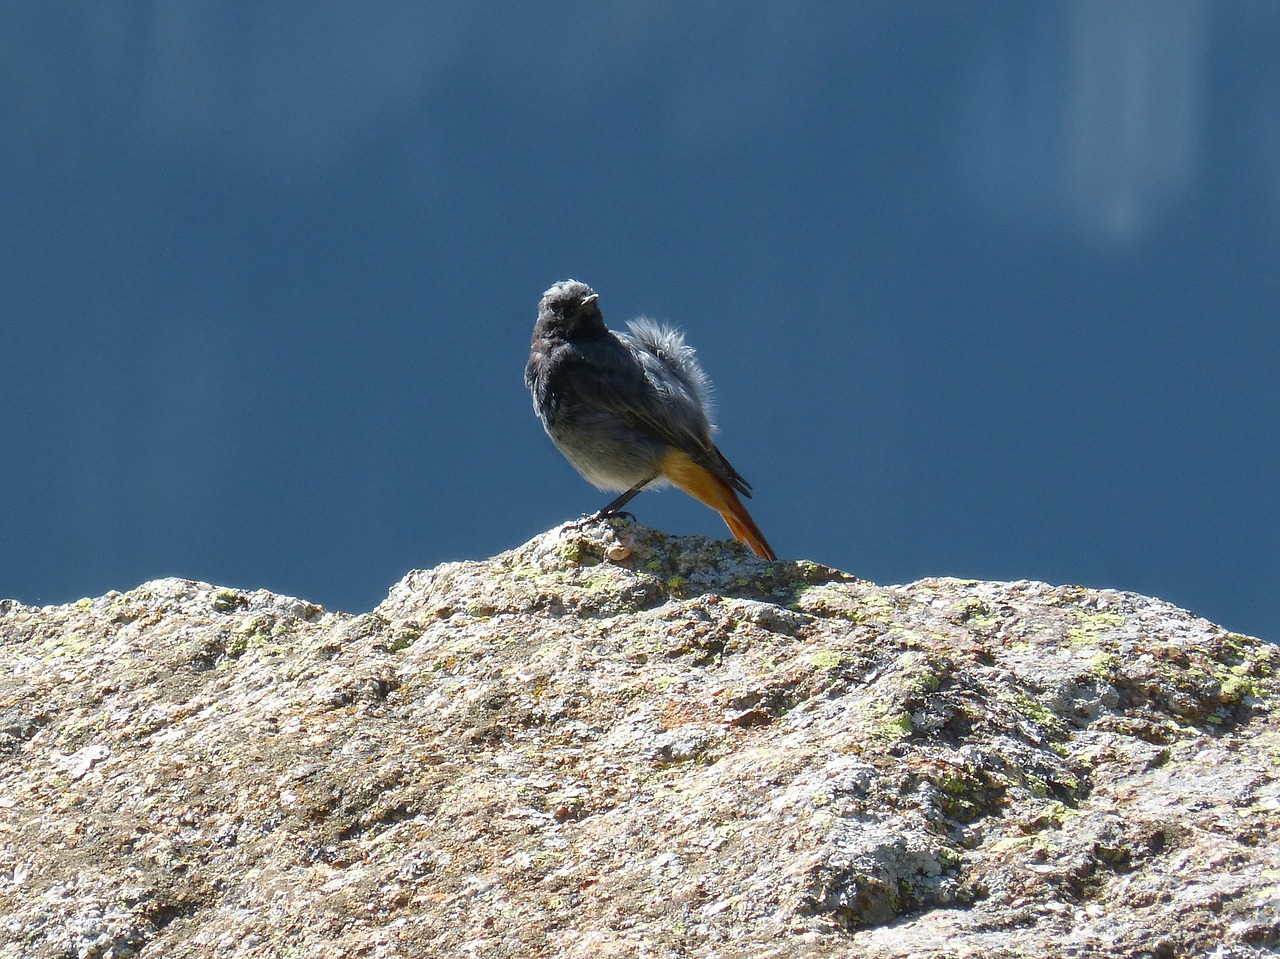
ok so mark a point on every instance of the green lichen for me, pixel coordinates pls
(953, 785)
(266, 635)
(826, 659)
(896, 726)
(1261, 660)
(1035, 711)
(226, 600)
(1037, 786)
(404, 638)
(1050, 816)
(926, 682)
(973, 613)
(1104, 666)
(837, 600)
(968, 795)
(573, 551)
(65, 645)
(602, 583)
(1235, 687)
(1090, 627)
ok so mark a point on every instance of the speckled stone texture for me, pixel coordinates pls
(610, 742)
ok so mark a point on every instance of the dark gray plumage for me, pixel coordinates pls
(630, 409)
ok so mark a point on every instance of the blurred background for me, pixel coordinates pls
(986, 290)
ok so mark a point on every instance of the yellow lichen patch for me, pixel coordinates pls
(1090, 627)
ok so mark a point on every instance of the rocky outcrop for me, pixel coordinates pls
(610, 742)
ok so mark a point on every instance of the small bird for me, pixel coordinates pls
(630, 410)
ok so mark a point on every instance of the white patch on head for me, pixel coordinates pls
(565, 290)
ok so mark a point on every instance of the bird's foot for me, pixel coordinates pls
(588, 518)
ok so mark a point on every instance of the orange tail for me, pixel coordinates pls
(706, 487)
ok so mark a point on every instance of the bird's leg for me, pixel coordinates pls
(615, 508)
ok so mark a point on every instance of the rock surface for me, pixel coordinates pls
(610, 742)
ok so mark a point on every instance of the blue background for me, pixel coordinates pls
(986, 290)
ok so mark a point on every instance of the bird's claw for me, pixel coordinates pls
(588, 518)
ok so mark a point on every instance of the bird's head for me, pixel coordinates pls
(571, 308)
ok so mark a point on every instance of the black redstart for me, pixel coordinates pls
(628, 410)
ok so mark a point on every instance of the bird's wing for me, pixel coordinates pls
(653, 393)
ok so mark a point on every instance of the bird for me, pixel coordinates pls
(631, 410)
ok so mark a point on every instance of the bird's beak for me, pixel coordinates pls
(590, 299)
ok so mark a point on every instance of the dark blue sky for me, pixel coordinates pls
(985, 290)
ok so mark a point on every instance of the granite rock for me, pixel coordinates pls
(612, 742)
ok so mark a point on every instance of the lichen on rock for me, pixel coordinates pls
(610, 741)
